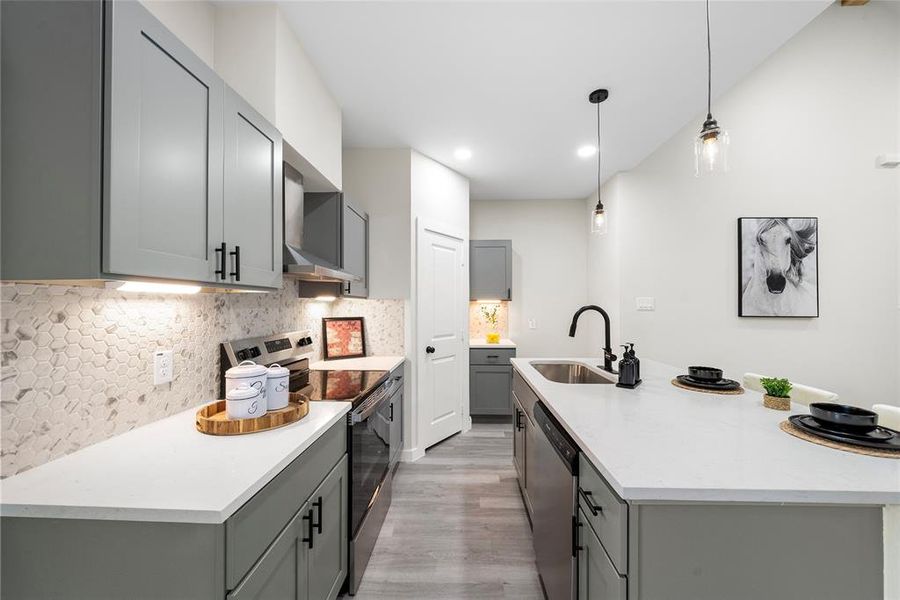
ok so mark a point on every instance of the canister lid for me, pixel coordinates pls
(242, 392)
(247, 368)
(276, 371)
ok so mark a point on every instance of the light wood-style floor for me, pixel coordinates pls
(456, 528)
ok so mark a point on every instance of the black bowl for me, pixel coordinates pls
(841, 416)
(707, 374)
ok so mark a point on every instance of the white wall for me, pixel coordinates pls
(245, 52)
(378, 181)
(192, 21)
(603, 268)
(549, 240)
(805, 129)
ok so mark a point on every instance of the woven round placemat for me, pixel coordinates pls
(788, 427)
(736, 392)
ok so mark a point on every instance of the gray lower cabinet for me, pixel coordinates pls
(597, 579)
(166, 173)
(524, 443)
(288, 542)
(518, 438)
(355, 255)
(490, 381)
(490, 269)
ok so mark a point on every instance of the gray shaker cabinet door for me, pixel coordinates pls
(253, 196)
(356, 250)
(281, 572)
(519, 418)
(597, 578)
(163, 202)
(490, 270)
(489, 390)
(328, 554)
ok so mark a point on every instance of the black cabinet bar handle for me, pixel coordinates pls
(220, 255)
(518, 420)
(237, 263)
(392, 412)
(309, 517)
(576, 524)
(589, 499)
(318, 505)
(493, 356)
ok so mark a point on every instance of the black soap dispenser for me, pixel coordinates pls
(629, 369)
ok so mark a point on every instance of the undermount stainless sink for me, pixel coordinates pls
(569, 372)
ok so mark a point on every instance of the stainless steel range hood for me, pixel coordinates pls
(298, 262)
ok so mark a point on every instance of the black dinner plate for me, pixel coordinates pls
(721, 385)
(880, 437)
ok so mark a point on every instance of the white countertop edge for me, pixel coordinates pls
(668, 494)
(481, 343)
(174, 515)
(362, 363)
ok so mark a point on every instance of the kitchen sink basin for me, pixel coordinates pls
(570, 372)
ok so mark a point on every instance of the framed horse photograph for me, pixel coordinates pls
(778, 261)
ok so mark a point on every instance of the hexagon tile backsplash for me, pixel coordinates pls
(76, 361)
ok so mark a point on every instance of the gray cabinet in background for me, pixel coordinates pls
(355, 255)
(490, 269)
(490, 381)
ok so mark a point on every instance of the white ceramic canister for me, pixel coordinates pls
(250, 374)
(277, 392)
(244, 402)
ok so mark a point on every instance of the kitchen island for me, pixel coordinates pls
(695, 495)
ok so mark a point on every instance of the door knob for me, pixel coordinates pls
(429, 350)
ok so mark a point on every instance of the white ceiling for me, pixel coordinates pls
(510, 79)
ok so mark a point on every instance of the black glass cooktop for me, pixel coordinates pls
(346, 386)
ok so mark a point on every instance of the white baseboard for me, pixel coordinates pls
(411, 455)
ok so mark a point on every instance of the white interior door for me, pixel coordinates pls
(440, 330)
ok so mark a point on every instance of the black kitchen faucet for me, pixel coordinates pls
(608, 357)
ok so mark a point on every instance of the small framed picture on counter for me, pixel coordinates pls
(343, 337)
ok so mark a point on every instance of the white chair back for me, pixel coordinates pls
(888, 415)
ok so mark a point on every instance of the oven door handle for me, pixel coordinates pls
(365, 409)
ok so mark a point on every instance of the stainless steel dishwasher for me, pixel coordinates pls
(554, 500)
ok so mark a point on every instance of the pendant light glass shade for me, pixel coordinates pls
(711, 145)
(711, 149)
(598, 220)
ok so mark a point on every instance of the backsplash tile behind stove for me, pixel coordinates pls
(76, 361)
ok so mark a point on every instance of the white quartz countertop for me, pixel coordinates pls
(482, 343)
(164, 471)
(661, 443)
(367, 363)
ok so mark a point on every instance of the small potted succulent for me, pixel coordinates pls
(778, 393)
(491, 314)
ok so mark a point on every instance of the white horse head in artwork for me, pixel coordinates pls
(778, 285)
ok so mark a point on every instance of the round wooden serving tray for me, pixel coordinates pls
(213, 420)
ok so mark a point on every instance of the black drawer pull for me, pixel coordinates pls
(237, 263)
(309, 517)
(589, 499)
(392, 412)
(518, 420)
(318, 505)
(576, 525)
(493, 356)
(220, 254)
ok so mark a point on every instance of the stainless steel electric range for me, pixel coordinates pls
(372, 446)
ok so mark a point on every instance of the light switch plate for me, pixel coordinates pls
(645, 303)
(163, 367)
(532, 323)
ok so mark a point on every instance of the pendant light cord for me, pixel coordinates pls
(708, 67)
(599, 155)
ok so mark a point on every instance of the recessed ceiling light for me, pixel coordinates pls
(462, 154)
(587, 151)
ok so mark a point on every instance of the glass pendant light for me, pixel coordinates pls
(598, 217)
(711, 146)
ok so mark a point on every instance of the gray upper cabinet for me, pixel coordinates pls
(130, 155)
(490, 270)
(355, 255)
(253, 204)
(163, 208)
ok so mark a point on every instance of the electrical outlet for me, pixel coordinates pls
(532, 323)
(163, 367)
(645, 303)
